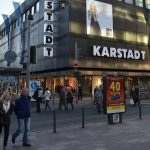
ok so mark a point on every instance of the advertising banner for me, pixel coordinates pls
(20, 24)
(99, 18)
(115, 94)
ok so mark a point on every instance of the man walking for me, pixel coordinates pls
(23, 113)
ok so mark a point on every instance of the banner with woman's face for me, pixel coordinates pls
(99, 18)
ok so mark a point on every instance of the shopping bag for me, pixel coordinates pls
(131, 101)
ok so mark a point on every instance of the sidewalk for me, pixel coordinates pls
(132, 134)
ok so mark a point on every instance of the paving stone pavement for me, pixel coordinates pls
(132, 134)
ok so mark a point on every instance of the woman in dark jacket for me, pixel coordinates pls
(6, 109)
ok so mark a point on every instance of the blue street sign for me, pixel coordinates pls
(34, 85)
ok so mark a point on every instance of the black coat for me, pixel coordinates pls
(5, 117)
(69, 97)
(36, 94)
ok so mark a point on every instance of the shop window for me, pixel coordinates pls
(96, 81)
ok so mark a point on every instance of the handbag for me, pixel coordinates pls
(131, 101)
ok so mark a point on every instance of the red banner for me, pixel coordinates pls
(115, 94)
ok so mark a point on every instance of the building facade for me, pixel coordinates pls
(111, 35)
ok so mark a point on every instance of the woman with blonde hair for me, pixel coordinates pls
(93, 17)
(6, 109)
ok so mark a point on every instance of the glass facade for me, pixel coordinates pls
(139, 3)
(129, 1)
(147, 2)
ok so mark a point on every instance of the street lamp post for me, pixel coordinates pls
(30, 17)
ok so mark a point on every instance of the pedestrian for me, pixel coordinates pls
(47, 97)
(132, 96)
(80, 92)
(62, 101)
(69, 98)
(136, 96)
(94, 95)
(99, 99)
(38, 97)
(23, 112)
(6, 109)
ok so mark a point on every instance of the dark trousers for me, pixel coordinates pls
(79, 96)
(6, 133)
(137, 101)
(38, 105)
(62, 103)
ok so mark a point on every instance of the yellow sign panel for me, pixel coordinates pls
(115, 109)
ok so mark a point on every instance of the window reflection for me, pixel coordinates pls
(139, 3)
(147, 4)
(129, 1)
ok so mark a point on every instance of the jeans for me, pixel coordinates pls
(6, 133)
(23, 124)
(47, 104)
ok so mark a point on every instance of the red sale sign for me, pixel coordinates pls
(115, 94)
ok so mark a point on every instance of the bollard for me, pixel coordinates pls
(82, 117)
(54, 121)
(140, 111)
(53, 102)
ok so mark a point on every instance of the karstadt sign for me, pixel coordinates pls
(48, 28)
(111, 52)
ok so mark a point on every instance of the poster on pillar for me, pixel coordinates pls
(114, 94)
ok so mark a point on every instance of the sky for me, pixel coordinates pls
(6, 7)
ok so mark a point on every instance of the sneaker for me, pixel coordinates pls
(26, 144)
(13, 140)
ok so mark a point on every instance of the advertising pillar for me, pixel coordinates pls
(114, 98)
